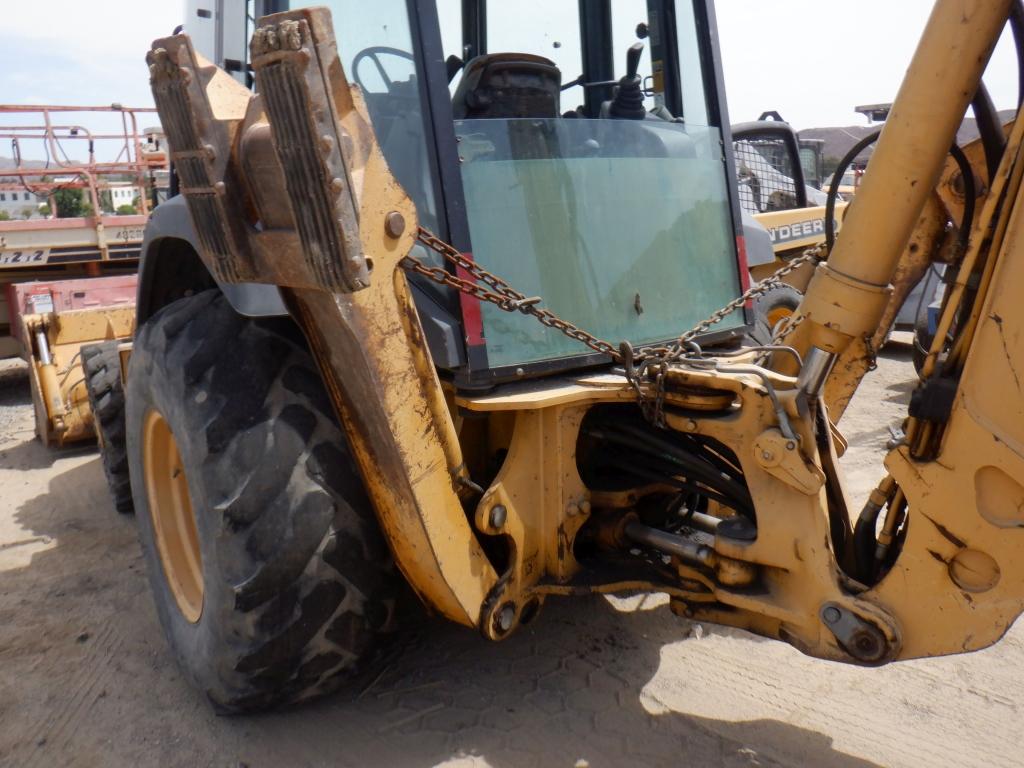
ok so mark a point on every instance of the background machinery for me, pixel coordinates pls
(784, 215)
(443, 290)
(71, 227)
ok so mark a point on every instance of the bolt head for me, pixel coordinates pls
(831, 614)
(394, 224)
(866, 645)
(506, 616)
(498, 516)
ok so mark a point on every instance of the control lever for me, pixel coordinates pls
(628, 103)
(636, 50)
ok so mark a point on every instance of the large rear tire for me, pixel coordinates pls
(101, 365)
(271, 578)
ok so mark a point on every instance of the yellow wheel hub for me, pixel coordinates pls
(174, 521)
(777, 315)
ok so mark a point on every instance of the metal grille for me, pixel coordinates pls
(194, 161)
(288, 106)
(764, 174)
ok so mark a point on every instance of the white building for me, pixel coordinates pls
(122, 194)
(19, 204)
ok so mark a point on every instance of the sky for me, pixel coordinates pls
(79, 52)
(810, 60)
(813, 61)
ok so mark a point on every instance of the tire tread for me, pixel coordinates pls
(259, 447)
(101, 365)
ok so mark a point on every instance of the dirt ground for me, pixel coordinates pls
(85, 677)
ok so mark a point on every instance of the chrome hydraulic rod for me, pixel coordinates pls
(704, 522)
(44, 347)
(688, 551)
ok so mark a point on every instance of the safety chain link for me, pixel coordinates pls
(503, 295)
(810, 256)
(646, 363)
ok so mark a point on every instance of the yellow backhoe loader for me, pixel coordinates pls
(443, 303)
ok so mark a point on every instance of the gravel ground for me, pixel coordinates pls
(86, 679)
(14, 394)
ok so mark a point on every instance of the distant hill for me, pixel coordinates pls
(839, 141)
(8, 162)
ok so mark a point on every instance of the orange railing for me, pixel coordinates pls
(59, 135)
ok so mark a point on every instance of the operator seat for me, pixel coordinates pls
(508, 85)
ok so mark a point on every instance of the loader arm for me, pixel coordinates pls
(329, 228)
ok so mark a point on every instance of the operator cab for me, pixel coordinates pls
(575, 148)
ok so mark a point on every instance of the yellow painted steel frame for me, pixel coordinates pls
(931, 237)
(957, 584)
(538, 502)
(58, 387)
(932, 242)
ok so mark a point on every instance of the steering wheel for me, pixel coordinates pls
(374, 53)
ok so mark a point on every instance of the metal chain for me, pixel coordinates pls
(649, 362)
(784, 329)
(653, 407)
(503, 296)
(811, 255)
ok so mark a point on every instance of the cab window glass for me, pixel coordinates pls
(514, 28)
(376, 49)
(691, 75)
(449, 15)
(627, 15)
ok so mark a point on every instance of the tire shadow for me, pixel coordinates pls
(32, 454)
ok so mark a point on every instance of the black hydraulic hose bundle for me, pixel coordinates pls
(698, 468)
(655, 475)
(695, 465)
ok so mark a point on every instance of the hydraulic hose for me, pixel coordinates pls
(712, 482)
(833, 187)
(691, 463)
(650, 474)
(970, 188)
(970, 192)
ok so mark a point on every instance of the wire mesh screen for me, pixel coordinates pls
(812, 162)
(764, 173)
